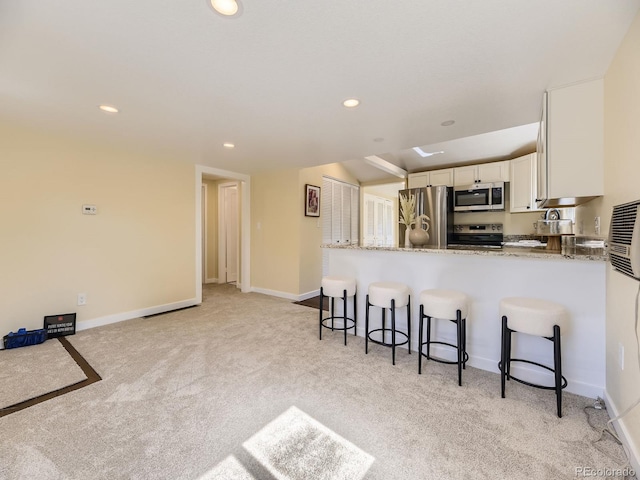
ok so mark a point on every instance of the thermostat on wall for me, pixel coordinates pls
(89, 210)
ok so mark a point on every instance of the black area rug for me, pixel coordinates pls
(314, 302)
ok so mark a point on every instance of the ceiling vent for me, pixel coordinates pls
(624, 239)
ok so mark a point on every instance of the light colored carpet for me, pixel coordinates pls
(184, 393)
(28, 372)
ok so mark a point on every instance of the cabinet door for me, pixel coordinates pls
(541, 161)
(464, 175)
(521, 188)
(441, 177)
(575, 140)
(418, 180)
(493, 172)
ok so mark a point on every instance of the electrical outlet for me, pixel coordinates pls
(82, 299)
(621, 356)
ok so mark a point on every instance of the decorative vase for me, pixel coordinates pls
(407, 232)
(419, 235)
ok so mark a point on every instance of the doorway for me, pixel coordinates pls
(244, 192)
(228, 232)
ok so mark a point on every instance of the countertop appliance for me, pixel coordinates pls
(479, 235)
(479, 197)
(437, 204)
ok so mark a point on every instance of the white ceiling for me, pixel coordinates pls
(272, 81)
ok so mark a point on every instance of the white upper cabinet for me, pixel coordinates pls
(441, 177)
(571, 144)
(484, 173)
(432, 178)
(522, 188)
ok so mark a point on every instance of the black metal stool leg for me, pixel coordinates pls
(333, 301)
(503, 355)
(557, 366)
(464, 342)
(344, 315)
(509, 337)
(355, 316)
(428, 337)
(393, 331)
(321, 311)
(409, 325)
(459, 346)
(366, 327)
(420, 324)
(384, 322)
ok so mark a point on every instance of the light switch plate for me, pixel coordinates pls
(89, 210)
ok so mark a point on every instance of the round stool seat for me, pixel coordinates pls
(334, 286)
(381, 294)
(533, 316)
(439, 303)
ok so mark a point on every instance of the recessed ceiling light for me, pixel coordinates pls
(351, 102)
(108, 109)
(228, 8)
(228, 145)
(424, 154)
(448, 123)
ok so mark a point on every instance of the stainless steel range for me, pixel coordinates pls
(477, 236)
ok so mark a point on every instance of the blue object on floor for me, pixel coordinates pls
(23, 338)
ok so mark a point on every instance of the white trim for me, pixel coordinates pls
(245, 228)
(143, 312)
(205, 239)
(286, 295)
(211, 280)
(623, 432)
(222, 237)
(311, 294)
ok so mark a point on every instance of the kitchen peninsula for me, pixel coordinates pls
(577, 282)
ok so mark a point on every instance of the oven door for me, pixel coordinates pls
(473, 197)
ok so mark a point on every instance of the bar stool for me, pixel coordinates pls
(447, 305)
(389, 295)
(533, 317)
(338, 287)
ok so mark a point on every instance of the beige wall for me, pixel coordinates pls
(310, 227)
(137, 252)
(275, 238)
(286, 257)
(622, 171)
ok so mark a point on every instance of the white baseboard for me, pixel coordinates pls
(211, 280)
(623, 432)
(143, 312)
(287, 295)
(311, 294)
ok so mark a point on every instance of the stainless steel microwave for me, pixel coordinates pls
(479, 197)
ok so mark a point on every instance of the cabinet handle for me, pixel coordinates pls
(528, 207)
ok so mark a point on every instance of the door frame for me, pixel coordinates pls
(222, 230)
(245, 225)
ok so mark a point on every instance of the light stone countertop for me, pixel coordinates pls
(521, 252)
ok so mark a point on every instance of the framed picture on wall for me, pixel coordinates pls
(311, 201)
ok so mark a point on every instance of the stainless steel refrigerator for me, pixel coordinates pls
(437, 204)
